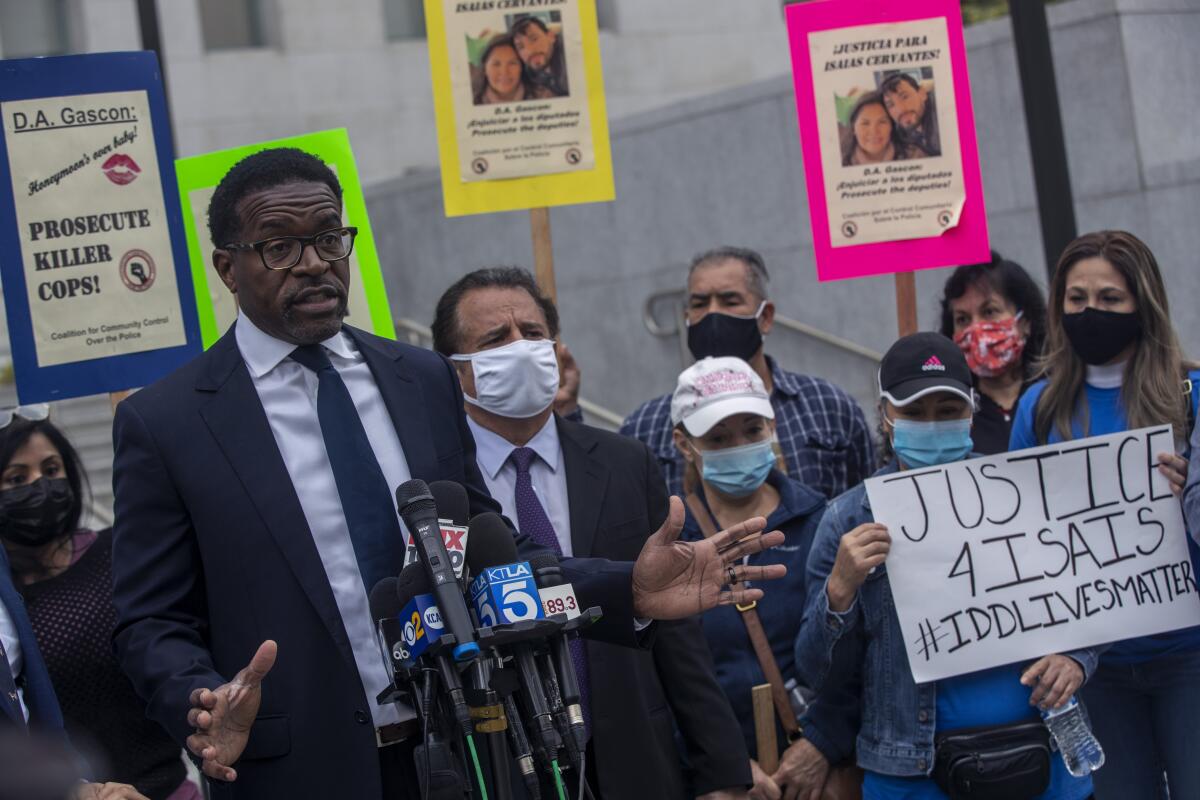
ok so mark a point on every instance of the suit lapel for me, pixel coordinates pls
(238, 422)
(44, 712)
(587, 479)
(405, 403)
(12, 604)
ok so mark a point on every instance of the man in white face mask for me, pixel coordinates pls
(585, 492)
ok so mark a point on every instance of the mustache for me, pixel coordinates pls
(302, 293)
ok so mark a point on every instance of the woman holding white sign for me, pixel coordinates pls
(1114, 363)
(974, 735)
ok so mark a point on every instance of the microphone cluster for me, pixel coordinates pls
(477, 643)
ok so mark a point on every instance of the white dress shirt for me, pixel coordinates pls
(10, 646)
(547, 473)
(288, 392)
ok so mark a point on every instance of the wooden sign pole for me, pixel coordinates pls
(543, 251)
(906, 302)
(764, 728)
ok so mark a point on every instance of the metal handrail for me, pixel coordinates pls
(676, 295)
(422, 336)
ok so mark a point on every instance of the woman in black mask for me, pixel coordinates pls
(64, 574)
(1113, 363)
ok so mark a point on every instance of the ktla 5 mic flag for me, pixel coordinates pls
(1046, 550)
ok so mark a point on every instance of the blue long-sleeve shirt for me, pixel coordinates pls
(1106, 414)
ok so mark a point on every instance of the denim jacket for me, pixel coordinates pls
(864, 643)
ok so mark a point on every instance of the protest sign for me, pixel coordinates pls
(91, 241)
(198, 179)
(519, 99)
(1046, 550)
(888, 136)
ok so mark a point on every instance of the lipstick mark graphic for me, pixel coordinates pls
(120, 169)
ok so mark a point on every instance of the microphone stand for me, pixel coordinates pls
(487, 707)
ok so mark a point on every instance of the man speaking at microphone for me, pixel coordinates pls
(580, 491)
(254, 511)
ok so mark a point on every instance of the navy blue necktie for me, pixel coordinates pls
(535, 523)
(366, 498)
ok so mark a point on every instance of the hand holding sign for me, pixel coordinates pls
(862, 550)
(1174, 468)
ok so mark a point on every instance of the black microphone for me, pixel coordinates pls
(385, 607)
(413, 586)
(454, 507)
(438, 776)
(492, 545)
(420, 514)
(548, 572)
(483, 553)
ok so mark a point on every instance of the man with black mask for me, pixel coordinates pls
(823, 435)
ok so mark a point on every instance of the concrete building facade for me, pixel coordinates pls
(706, 152)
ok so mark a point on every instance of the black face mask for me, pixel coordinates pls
(36, 513)
(720, 335)
(1099, 336)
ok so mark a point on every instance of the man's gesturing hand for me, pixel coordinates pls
(222, 717)
(674, 579)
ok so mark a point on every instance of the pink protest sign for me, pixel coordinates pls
(888, 135)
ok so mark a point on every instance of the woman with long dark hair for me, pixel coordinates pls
(64, 574)
(1113, 363)
(995, 313)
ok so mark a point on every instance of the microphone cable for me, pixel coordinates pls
(558, 781)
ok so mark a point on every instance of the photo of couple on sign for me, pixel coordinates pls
(524, 62)
(897, 121)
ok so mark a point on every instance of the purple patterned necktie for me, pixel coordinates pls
(533, 522)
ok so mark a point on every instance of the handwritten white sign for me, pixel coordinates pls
(1038, 551)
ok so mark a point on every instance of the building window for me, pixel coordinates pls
(33, 29)
(232, 24)
(606, 14)
(404, 19)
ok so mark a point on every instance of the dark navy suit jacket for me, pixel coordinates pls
(212, 555)
(45, 716)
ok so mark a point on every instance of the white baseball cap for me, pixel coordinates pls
(715, 388)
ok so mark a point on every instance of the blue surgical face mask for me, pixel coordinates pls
(737, 471)
(928, 444)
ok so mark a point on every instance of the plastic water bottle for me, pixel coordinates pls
(1069, 729)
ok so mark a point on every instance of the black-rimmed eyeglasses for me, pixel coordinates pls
(285, 252)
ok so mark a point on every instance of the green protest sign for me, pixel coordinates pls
(198, 178)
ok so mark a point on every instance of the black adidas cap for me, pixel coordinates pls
(920, 364)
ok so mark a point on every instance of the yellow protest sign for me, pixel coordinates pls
(518, 95)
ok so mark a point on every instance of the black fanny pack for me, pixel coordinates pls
(994, 762)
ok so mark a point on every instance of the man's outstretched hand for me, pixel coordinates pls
(674, 579)
(222, 717)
